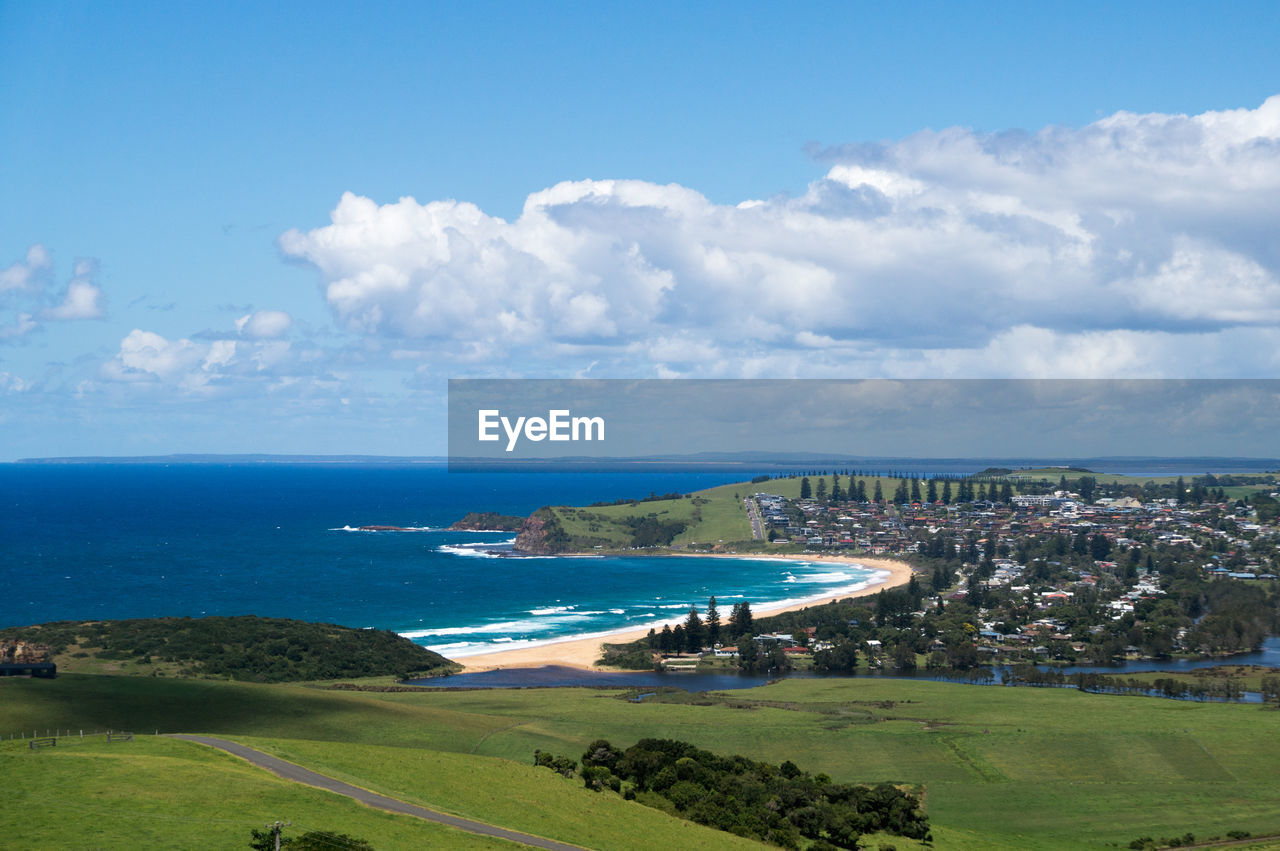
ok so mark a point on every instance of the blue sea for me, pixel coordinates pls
(87, 541)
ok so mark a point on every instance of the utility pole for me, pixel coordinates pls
(275, 831)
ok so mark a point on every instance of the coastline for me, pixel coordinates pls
(583, 652)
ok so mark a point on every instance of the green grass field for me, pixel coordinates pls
(1000, 768)
(713, 516)
(161, 793)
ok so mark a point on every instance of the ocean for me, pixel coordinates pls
(87, 541)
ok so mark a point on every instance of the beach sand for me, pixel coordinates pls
(583, 652)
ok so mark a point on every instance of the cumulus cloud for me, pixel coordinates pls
(82, 298)
(24, 287)
(197, 367)
(27, 274)
(264, 324)
(1139, 244)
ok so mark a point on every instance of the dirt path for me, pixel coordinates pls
(298, 774)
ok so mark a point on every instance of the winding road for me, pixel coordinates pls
(298, 774)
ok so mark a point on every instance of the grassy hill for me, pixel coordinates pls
(241, 648)
(1001, 768)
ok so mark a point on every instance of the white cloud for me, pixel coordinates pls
(25, 285)
(1140, 244)
(27, 274)
(264, 324)
(22, 325)
(81, 300)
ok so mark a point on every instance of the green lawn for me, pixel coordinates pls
(513, 794)
(161, 793)
(1000, 767)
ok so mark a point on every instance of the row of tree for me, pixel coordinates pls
(908, 490)
(697, 633)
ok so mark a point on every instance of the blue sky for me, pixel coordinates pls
(203, 245)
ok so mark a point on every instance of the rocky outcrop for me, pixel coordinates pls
(24, 653)
(542, 534)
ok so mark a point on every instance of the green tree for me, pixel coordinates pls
(915, 489)
(946, 492)
(740, 619)
(931, 495)
(694, 631)
(822, 489)
(713, 623)
(806, 490)
(879, 493)
(1087, 486)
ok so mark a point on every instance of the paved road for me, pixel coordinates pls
(753, 512)
(297, 773)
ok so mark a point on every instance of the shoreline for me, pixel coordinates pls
(582, 653)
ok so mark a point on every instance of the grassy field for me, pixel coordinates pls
(712, 516)
(512, 794)
(161, 793)
(1000, 768)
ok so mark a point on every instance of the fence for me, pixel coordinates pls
(55, 737)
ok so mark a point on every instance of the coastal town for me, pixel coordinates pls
(1015, 570)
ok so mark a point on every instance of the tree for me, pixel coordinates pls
(666, 639)
(693, 631)
(836, 493)
(1099, 547)
(946, 492)
(1087, 485)
(879, 493)
(748, 654)
(931, 495)
(806, 490)
(1006, 494)
(915, 489)
(713, 623)
(740, 619)
(822, 489)
(678, 639)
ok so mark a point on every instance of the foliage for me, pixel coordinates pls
(241, 648)
(649, 531)
(635, 656)
(489, 521)
(772, 803)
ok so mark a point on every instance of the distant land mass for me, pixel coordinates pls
(243, 647)
(712, 461)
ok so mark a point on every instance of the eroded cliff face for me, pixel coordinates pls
(532, 536)
(542, 534)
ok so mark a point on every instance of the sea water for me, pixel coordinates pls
(87, 541)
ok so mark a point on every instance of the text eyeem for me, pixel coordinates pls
(557, 425)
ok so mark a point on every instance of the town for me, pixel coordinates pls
(1017, 568)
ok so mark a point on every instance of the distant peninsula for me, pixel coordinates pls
(487, 521)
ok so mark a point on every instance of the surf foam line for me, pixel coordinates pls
(639, 620)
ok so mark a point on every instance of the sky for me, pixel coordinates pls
(282, 228)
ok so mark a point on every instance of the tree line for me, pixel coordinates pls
(778, 804)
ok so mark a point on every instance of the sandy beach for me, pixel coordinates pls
(583, 652)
